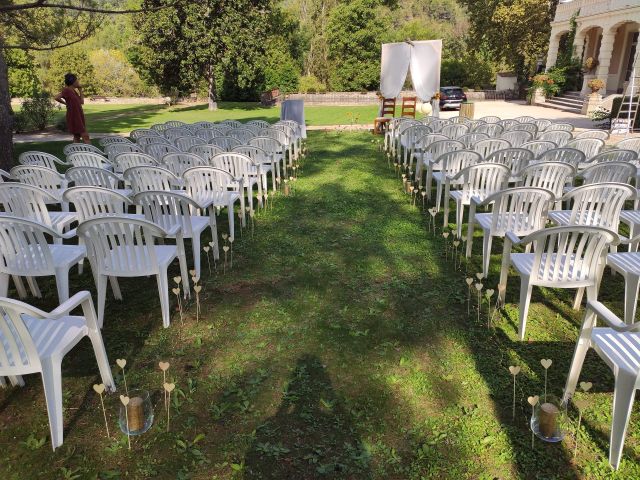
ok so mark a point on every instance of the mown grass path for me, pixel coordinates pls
(339, 346)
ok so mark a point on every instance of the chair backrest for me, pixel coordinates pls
(517, 137)
(208, 133)
(243, 135)
(4, 175)
(159, 150)
(104, 141)
(160, 127)
(45, 178)
(569, 255)
(538, 147)
(507, 122)
(426, 120)
(259, 123)
(470, 139)
(40, 158)
(185, 143)
(532, 128)
(279, 135)
(152, 139)
(175, 124)
(168, 209)
(487, 147)
(231, 123)
(521, 210)
(430, 138)
(629, 144)
(268, 144)
(620, 172)
(615, 155)
(601, 134)
(453, 162)
(438, 124)
(114, 149)
(437, 148)
(80, 147)
(254, 153)
(207, 183)
(524, 119)
(237, 164)
(203, 124)
(143, 132)
(95, 202)
(568, 155)
(410, 136)
(177, 163)
(388, 107)
(24, 249)
(175, 132)
(548, 175)
(26, 201)
(599, 204)
(514, 158)
(490, 119)
(541, 123)
(564, 127)
(589, 146)
(491, 129)
(460, 120)
(206, 152)
(409, 107)
(482, 180)
(145, 178)
(226, 143)
(88, 159)
(559, 137)
(121, 246)
(455, 131)
(125, 161)
(92, 177)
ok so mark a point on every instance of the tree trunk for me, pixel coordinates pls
(213, 99)
(6, 116)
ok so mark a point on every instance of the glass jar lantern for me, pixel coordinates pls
(549, 419)
(137, 417)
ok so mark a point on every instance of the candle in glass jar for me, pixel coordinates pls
(135, 411)
(548, 419)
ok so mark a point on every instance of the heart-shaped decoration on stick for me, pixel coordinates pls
(192, 273)
(546, 363)
(469, 281)
(514, 369)
(586, 386)
(177, 279)
(164, 366)
(225, 248)
(489, 293)
(479, 276)
(125, 401)
(168, 388)
(197, 288)
(121, 362)
(176, 291)
(99, 388)
(533, 401)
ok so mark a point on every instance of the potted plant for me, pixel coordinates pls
(595, 84)
(589, 65)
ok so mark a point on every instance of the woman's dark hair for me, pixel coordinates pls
(70, 79)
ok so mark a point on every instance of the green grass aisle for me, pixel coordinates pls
(338, 347)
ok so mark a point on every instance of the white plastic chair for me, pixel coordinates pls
(147, 177)
(559, 137)
(614, 155)
(470, 139)
(160, 127)
(273, 149)
(176, 132)
(548, 175)
(125, 161)
(448, 165)
(629, 144)
(208, 133)
(143, 132)
(507, 123)
(80, 147)
(455, 131)
(491, 129)
(168, 210)
(231, 123)
(159, 150)
(487, 147)
(125, 247)
(206, 152)
(520, 210)
(4, 175)
(532, 128)
(41, 159)
(284, 141)
(517, 137)
(145, 141)
(225, 143)
(479, 180)
(92, 177)
(208, 186)
(619, 172)
(565, 257)
(114, 149)
(185, 143)
(432, 152)
(601, 134)
(259, 123)
(538, 147)
(175, 124)
(560, 127)
(243, 135)
(89, 159)
(628, 265)
(568, 155)
(246, 173)
(35, 341)
(436, 125)
(25, 252)
(177, 163)
(541, 123)
(589, 146)
(45, 178)
(490, 119)
(618, 345)
(524, 119)
(408, 141)
(514, 158)
(267, 165)
(105, 141)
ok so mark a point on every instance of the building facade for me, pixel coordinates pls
(606, 39)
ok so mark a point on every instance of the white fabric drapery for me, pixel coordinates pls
(422, 58)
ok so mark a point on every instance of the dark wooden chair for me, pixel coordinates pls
(388, 112)
(409, 107)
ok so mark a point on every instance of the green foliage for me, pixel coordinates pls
(37, 112)
(74, 60)
(550, 82)
(23, 78)
(354, 34)
(281, 70)
(310, 84)
(114, 75)
(471, 70)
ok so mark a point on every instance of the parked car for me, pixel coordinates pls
(451, 97)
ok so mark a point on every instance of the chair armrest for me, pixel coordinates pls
(78, 299)
(513, 238)
(610, 318)
(174, 230)
(626, 241)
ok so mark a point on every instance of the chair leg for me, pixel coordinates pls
(486, 252)
(102, 359)
(631, 283)
(115, 288)
(623, 395)
(22, 292)
(163, 290)
(231, 220)
(52, 382)
(459, 218)
(438, 196)
(4, 284)
(213, 225)
(101, 287)
(62, 284)
(195, 245)
(525, 299)
(577, 301)
(579, 354)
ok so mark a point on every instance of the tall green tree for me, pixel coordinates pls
(210, 40)
(514, 30)
(73, 59)
(23, 76)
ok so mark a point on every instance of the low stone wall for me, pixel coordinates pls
(370, 98)
(91, 100)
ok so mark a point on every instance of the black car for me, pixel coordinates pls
(451, 97)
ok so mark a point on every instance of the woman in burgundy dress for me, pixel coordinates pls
(72, 97)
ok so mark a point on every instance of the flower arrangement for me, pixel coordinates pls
(549, 83)
(590, 64)
(595, 84)
(436, 96)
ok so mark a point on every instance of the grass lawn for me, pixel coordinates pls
(338, 347)
(124, 118)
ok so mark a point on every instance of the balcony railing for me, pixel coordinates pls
(564, 11)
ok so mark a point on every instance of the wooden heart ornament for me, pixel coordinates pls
(124, 399)
(546, 362)
(197, 288)
(192, 273)
(169, 387)
(490, 292)
(479, 275)
(479, 286)
(176, 291)
(164, 366)
(533, 401)
(99, 388)
(514, 369)
(586, 386)
(225, 248)
(121, 362)
(211, 244)
(469, 281)
(177, 279)
(206, 249)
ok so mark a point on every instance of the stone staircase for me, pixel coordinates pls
(567, 102)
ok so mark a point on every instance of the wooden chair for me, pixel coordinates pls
(409, 107)
(388, 108)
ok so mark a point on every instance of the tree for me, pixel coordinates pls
(74, 60)
(515, 30)
(40, 25)
(23, 79)
(354, 34)
(114, 75)
(178, 46)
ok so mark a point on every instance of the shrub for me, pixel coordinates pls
(38, 111)
(20, 123)
(551, 82)
(310, 84)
